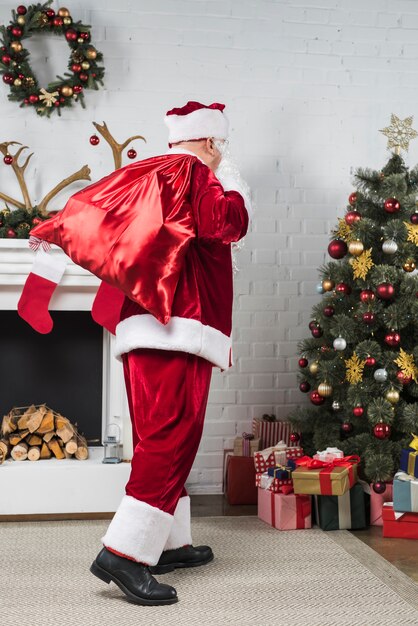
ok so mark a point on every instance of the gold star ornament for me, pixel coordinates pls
(399, 133)
(354, 369)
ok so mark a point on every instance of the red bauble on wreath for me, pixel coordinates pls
(392, 205)
(385, 291)
(316, 398)
(17, 72)
(337, 249)
(382, 430)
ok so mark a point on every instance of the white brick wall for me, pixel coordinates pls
(307, 84)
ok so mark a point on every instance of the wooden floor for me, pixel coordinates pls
(402, 553)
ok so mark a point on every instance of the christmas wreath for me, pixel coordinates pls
(15, 61)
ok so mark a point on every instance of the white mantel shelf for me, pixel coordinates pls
(62, 486)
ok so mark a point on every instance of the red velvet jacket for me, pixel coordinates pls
(201, 316)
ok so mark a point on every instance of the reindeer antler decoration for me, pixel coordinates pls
(117, 148)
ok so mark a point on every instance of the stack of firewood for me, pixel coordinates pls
(37, 432)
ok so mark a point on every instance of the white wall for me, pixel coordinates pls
(307, 84)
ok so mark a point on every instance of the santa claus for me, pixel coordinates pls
(158, 233)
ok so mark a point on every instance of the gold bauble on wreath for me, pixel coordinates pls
(409, 265)
(313, 368)
(324, 390)
(67, 20)
(16, 46)
(17, 82)
(355, 247)
(21, 20)
(392, 396)
(85, 65)
(328, 284)
(67, 91)
(63, 12)
(91, 53)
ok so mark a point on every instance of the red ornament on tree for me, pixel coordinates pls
(312, 324)
(11, 233)
(414, 218)
(316, 398)
(337, 249)
(358, 411)
(392, 205)
(303, 362)
(352, 217)
(131, 154)
(21, 10)
(294, 437)
(403, 378)
(393, 339)
(367, 295)
(8, 159)
(304, 386)
(368, 317)
(379, 486)
(94, 140)
(385, 291)
(329, 311)
(382, 430)
(317, 332)
(343, 289)
(370, 361)
(346, 427)
(352, 198)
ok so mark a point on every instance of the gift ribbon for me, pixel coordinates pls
(246, 446)
(344, 511)
(273, 510)
(329, 454)
(326, 469)
(414, 442)
(412, 458)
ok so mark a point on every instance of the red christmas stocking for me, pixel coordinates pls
(41, 283)
(107, 305)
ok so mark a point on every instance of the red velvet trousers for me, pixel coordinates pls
(167, 394)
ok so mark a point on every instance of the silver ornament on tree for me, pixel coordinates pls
(339, 343)
(390, 246)
(380, 375)
(336, 405)
(319, 288)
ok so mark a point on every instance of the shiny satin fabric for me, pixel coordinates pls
(132, 229)
(167, 396)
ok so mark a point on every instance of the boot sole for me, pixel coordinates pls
(170, 567)
(107, 577)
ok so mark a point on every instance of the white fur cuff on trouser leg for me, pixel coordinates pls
(180, 533)
(138, 531)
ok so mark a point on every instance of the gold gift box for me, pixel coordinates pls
(306, 481)
(239, 446)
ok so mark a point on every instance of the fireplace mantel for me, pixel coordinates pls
(75, 292)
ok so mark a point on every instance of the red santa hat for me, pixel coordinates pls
(197, 121)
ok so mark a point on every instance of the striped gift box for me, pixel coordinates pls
(270, 432)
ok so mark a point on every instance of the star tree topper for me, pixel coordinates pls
(399, 133)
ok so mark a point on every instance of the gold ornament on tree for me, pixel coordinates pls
(406, 364)
(392, 396)
(362, 264)
(313, 368)
(325, 390)
(409, 265)
(328, 284)
(354, 369)
(399, 133)
(356, 248)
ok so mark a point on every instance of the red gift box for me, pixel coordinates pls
(264, 481)
(284, 512)
(265, 459)
(401, 525)
(377, 501)
(240, 480)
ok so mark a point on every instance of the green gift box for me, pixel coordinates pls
(348, 511)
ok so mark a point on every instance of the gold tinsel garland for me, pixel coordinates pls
(343, 231)
(362, 264)
(354, 369)
(407, 365)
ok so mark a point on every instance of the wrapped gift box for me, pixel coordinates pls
(405, 493)
(264, 481)
(329, 455)
(398, 524)
(284, 512)
(376, 504)
(409, 461)
(240, 480)
(342, 512)
(276, 455)
(317, 478)
(270, 431)
(246, 447)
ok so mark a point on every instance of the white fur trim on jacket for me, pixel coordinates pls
(138, 530)
(180, 533)
(197, 125)
(181, 334)
(49, 266)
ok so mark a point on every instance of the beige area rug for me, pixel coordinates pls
(260, 577)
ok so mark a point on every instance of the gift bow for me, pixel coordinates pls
(309, 463)
(35, 243)
(277, 448)
(247, 436)
(322, 455)
(406, 477)
(414, 442)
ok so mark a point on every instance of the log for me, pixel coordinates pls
(64, 428)
(17, 437)
(22, 422)
(67, 454)
(71, 446)
(9, 424)
(45, 452)
(20, 452)
(34, 440)
(55, 448)
(48, 436)
(82, 451)
(36, 418)
(34, 453)
(47, 424)
(4, 447)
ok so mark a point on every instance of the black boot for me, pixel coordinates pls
(133, 578)
(187, 556)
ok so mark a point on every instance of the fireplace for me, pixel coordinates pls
(73, 371)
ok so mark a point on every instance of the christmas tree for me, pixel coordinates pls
(360, 368)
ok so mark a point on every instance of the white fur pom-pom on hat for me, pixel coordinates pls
(197, 121)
